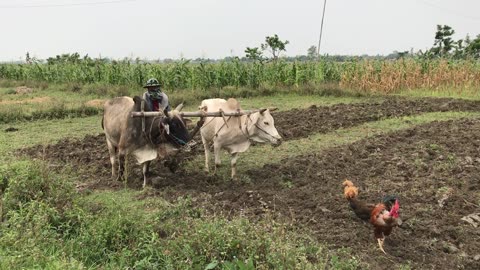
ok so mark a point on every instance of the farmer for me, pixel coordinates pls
(156, 100)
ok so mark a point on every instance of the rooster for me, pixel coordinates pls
(383, 216)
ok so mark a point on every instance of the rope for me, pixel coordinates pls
(256, 125)
(247, 135)
(224, 124)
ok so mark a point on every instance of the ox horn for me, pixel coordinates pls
(179, 107)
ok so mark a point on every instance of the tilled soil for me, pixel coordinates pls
(432, 168)
(293, 124)
(300, 123)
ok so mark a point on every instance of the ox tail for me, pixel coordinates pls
(103, 127)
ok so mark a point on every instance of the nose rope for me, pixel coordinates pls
(178, 140)
(257, 126)
(163, 134)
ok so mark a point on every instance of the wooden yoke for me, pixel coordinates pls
(201, 113)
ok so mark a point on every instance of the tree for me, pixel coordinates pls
(443, 41)
(397, 55)
(274, 45)
(254, 54)
(28, 59)
(312, 52)
(472, 47)
(73, 58)
(31, 60)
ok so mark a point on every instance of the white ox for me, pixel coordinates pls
(236, 133)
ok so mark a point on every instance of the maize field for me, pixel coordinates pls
(380, 76)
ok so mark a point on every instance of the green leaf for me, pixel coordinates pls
(211, 265)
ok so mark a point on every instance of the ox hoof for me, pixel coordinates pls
(144, 185)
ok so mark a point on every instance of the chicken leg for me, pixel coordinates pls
(380, 244)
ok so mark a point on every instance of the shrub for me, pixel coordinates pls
(27, 182)
(34, 219)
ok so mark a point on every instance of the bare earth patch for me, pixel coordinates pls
(97, 103)
(22, 90)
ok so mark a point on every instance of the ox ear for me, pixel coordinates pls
(262, 111)
(273, 109)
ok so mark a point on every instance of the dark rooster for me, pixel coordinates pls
(383, 216)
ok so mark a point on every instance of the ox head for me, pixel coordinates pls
(178, 132)
(264, 128)
(170, 128)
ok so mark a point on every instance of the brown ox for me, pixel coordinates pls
(144, 138)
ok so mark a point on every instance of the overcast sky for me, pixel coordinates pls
(218, 28)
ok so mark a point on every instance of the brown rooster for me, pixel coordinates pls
(383, 216)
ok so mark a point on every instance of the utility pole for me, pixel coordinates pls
(321, 28)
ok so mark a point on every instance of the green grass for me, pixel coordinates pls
(118, 230)
(260, 155)
(56, 101)
(55, 94)
(44, 104)
(286, 102)
(45, 132)
(470, 94)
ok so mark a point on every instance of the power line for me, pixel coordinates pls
(321, 28)
(67, 5)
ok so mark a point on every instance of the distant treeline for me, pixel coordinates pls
(444, 46)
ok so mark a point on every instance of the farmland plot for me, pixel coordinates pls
(433, 166)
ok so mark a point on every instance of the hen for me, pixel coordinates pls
(383, 216)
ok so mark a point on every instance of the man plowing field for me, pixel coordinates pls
(155, 99)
